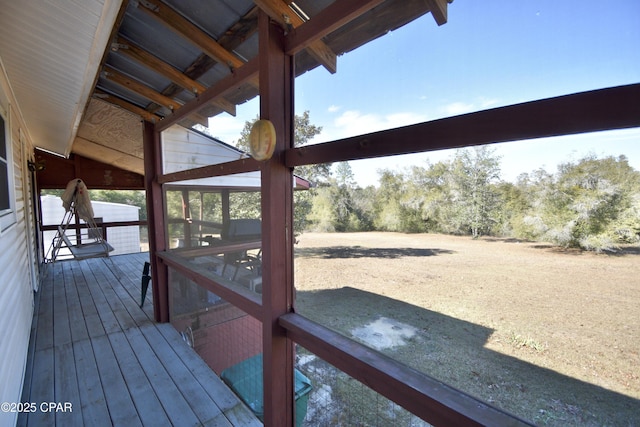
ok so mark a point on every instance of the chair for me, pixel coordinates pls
(238, 230)
(76, 201)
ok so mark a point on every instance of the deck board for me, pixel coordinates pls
(121, 408)
(92, 345)
(77, 324)
(172, 400)
(43, 386)
(142, 393)
(190, 388)
(93, 404)
(226, 400)
(65, 382)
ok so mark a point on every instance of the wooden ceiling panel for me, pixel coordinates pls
(106, 123)
(112, 135)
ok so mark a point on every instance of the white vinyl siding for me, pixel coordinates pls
(17, 270)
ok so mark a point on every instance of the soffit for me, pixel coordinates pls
(51, 52)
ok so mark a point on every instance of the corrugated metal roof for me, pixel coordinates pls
(53, 51)
(232, 24)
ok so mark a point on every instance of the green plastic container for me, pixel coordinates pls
(245, 379)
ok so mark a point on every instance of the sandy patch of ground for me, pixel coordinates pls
(384, 333)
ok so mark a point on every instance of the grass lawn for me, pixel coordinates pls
(550, 335)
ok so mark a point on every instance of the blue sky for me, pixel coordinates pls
(490, 53)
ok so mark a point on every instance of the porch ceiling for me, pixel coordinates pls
(86, 74)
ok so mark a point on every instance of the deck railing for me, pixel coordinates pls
(104, 226)
(79, 236)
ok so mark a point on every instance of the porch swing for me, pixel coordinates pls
(76, 201)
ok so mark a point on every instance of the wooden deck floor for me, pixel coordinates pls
(94, 350)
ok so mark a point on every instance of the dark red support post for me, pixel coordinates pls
(276, 105)
(224, 195)
(186, 218)
(156, 228)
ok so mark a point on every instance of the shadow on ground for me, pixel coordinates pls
(454, 352)
(362, 252)
(625, 249)
(621, 251)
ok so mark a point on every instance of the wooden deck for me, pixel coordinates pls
(93, 350)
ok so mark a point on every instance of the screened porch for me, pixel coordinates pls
(102, 360)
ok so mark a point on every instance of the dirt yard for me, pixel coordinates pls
(550, 335)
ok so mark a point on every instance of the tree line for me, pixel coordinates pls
(592, 203)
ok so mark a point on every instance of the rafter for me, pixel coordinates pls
(146, 115)
(141, 89)
(280, 12)
(328, 20)
(195, 35)
(108, 155)
(243, 75)
(439, 10)
(150, 61)
(135, 86)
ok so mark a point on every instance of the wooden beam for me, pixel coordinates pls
(238, 295)
(598, 110)
(141, 89)
(334, 16)
(152, 62)
(220, 169)
(195, 35)
(439, 10)
(239, 32)
(108, 155)
(58, 171)
(225, 248)
(242, 75)
(242, 30)
(276, 105)
(324, 55)
(107, 97)
(433, 401)
(280, 12)
(230, 40)
(155, 214)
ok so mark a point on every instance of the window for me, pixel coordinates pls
(7, 215)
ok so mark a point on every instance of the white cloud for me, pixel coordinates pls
(353, 122)
(227, 128)
(487, 102)
(456, 108)
(405, 119)
(334, 108)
